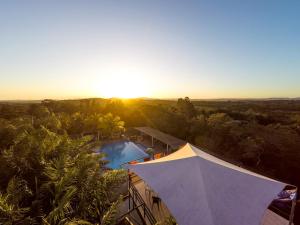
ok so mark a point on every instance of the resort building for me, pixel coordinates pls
(170, 142)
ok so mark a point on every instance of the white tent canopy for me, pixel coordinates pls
(199, 188)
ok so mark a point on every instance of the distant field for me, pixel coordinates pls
(20, 101)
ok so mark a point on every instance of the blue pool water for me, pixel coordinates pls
(121, 152)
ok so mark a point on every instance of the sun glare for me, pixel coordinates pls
(122, 87)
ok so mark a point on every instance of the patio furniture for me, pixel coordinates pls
(146, 159)
(133, 162)
(158, 155)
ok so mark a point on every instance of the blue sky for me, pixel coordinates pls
(167, 49)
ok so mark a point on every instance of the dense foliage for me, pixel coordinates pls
(263, 136)
(50, 175)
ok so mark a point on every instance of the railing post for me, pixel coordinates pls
(133, 200)
(129, 195)
(135, 196)
(292, 211)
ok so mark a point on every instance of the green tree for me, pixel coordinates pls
(110, 124)
(51, 178)
(186, 107)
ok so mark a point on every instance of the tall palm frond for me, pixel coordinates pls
(18, 190)
(109, 218)
(61, 206)
(10, 213)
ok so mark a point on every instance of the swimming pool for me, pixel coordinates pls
(121, 152)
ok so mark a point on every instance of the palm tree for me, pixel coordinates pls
(54, 179)
(110, 125)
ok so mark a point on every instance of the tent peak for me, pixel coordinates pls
(189, 151)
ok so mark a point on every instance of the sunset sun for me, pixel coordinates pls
(122, 87)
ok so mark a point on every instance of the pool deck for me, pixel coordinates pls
(158, 148)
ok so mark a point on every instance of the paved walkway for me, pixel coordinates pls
(158, 147)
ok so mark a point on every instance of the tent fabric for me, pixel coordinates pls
(201, 189)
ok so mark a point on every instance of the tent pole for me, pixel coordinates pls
(292, 211)
(129, 195)
(152, 141)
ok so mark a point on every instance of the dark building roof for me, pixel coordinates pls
(173, 142)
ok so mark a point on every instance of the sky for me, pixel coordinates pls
(65, 49)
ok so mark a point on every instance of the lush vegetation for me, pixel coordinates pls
(48, 171)
(45, 148)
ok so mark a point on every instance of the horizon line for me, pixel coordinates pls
(152, 98)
